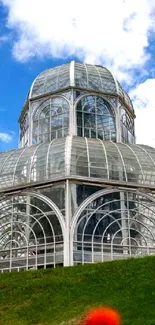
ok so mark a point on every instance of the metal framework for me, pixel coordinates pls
(78, 75)
(78, 157)
(78, 190)
(113, 224)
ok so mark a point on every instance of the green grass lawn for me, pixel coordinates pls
(62, 295)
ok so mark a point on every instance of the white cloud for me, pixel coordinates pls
(5, 137)
(113, 32)
(144, 103)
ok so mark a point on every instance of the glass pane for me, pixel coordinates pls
(51, 120)
(95, 113)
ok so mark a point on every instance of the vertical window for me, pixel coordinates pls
(127, 127)
(95, 119)
(51, 120)
(24, 125)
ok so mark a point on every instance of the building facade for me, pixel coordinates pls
(78, 190)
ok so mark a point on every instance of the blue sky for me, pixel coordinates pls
(123, 39)
(15, 81)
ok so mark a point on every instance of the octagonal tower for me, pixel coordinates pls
(76, 99)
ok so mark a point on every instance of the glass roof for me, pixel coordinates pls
(78, 157)
(78, 75)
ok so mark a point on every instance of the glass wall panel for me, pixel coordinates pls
(24, 131)
(55, 193)
(80, 192)
(127, 126)
(95, 118)
(115, 226)
(30, 234)
(50, 120)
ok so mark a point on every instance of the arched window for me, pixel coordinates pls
(31, 236)
(51, 120)
(112, 226)
(95, 118)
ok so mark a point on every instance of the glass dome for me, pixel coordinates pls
(78, 158)
(76, 99)
(78, 75)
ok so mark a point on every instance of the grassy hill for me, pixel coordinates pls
(62, 295)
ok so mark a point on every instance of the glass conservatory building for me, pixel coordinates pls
(78, 190)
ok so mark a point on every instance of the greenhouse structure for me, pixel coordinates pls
(78, 189)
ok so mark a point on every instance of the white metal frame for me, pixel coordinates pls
(111, 255)
(36, 246)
